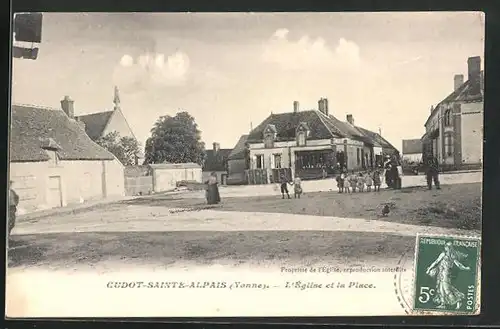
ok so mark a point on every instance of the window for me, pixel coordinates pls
(301, 139)
(447, 118)
(358, 156)
(268, 141)
(448, 145)
(311, 159)
(277, 161)
(259, 161)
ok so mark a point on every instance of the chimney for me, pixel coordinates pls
(458, 80)
(432, 108)
(295, 107)
(216, 147)
(474, 67)
(350, 119)
(474, 64)
(68, 107)
(325, 106)
(321, 105)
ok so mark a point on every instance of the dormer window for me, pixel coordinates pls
(268, 141)
(269, 136)
(51, 147)
(301, 139)
(301, 134)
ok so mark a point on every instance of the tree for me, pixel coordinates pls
(126, 149)
(175, 140)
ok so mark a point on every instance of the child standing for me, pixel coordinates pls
(297, 187)
(340, 182)
(354, 181)
(369, 181)
(284, 187)
(361, 182)
(347, 183)
(376, 180)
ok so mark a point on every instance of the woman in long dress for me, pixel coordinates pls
(212, 194)
(440, 269)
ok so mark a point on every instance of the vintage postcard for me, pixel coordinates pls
(245, 164)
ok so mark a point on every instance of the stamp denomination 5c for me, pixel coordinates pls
(446, 274)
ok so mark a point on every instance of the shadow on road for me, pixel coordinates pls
(65, 250)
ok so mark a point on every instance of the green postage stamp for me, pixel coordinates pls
(446, 274)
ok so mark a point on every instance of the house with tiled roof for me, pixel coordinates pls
(216, 162)
(308, 141)
(412, 150)
(53, 162)
(238, 162)
(454, 128)
(98, 125)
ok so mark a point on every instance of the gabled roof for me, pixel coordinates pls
(216, 161)
(286, 124)
(377, 138)
(238, 152)
(33, 128)
(412, 146)
(95, 123)
(345, 129)
(321, 127)
(469, 91)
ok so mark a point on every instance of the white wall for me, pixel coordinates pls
(166, 179)
(472, 132)
(115, 178)
(80, 181)
(416, 157)
(119, 124)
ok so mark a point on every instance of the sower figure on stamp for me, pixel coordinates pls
(440, 269)
(13, 202)
(432, 172)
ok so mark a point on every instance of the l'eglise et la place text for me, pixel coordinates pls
(303, 285)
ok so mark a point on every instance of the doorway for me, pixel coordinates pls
(54, 195)
(341, 159)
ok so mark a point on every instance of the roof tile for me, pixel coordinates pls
(95, 123)
(33, 127)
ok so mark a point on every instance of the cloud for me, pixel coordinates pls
(151, 69)
(127, 61)
(308, 52)
(408, 61)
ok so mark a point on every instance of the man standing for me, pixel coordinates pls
(432, 172)
(13, 202)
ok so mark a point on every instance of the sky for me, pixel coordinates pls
(232, 70)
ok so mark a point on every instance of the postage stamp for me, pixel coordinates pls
(446, 274)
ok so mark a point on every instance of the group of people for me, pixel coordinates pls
(358, 182)
(296, 183)
(349, 183)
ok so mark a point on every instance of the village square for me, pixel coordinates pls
(300, 185)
